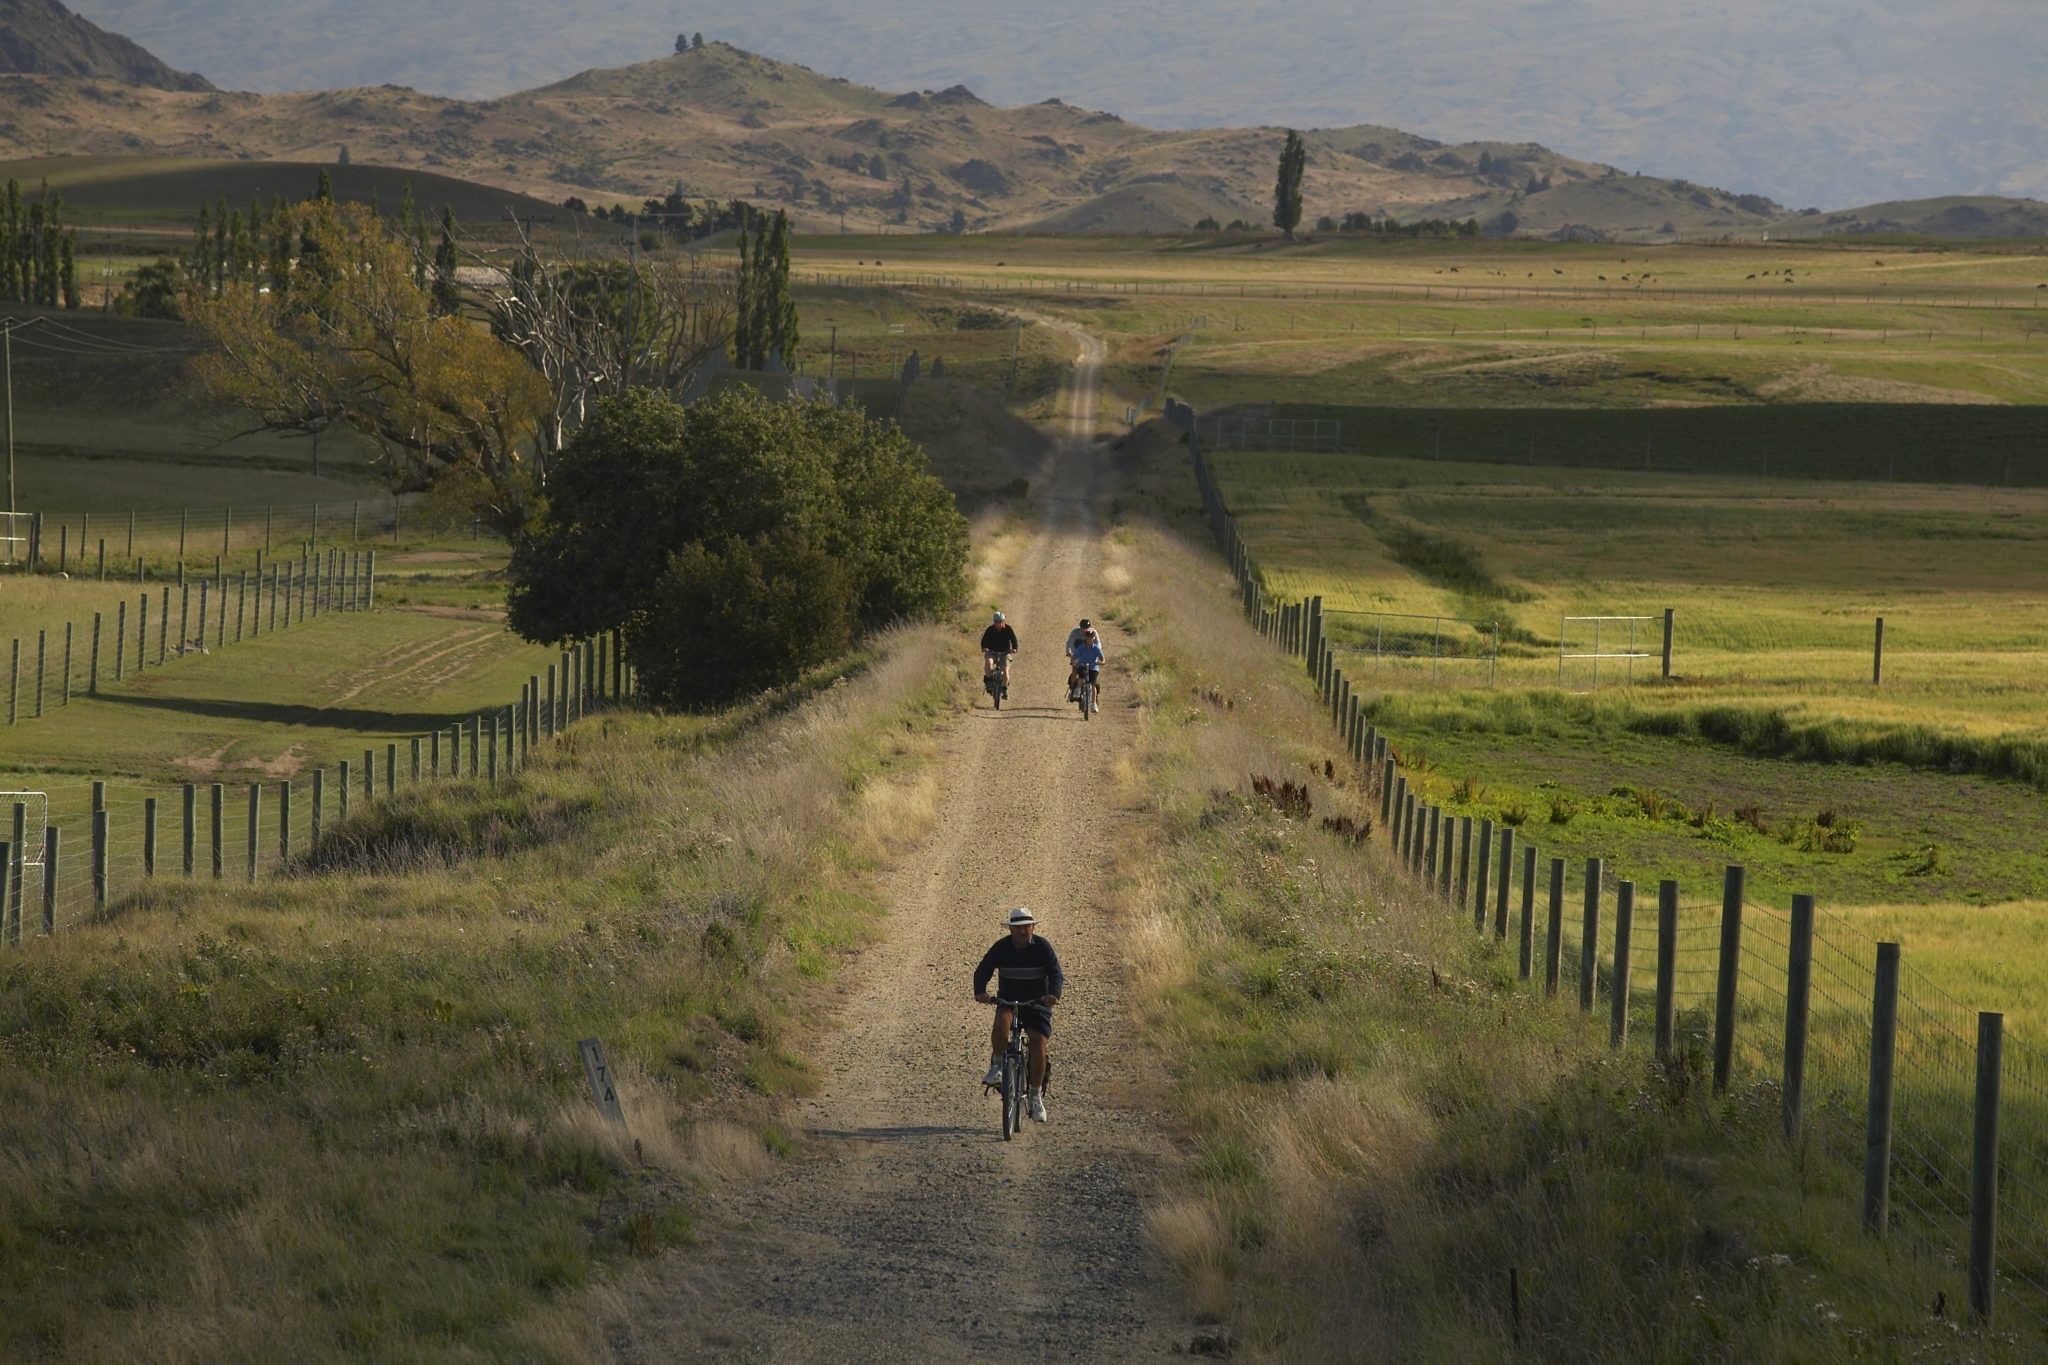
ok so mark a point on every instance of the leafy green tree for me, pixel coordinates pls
(736, 542)
(1287, 186)
(697, 40)
(153, 291)
(325, 193)
(67, 268)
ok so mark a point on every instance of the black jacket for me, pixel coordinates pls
(999, 638)
(1021, 973)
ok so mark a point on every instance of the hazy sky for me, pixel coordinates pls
(1814, 101)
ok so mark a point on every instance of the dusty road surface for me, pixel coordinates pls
(908, 1230)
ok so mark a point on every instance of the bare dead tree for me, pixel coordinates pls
(594, 329)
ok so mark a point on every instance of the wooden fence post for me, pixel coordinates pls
(1400, 792)
(10, 883)
(1667, 967)
(42, 660)
(1527, 963)
(92, 672)
(67, 663)
(548, 723)
(391, 768)
(141, 632)
(1729, 975)
(218, 827)
(121, 639)
(149, 836)
(415, 758)
(1386, 792)
(319, 808)
(1624, 936)
(1464, 861)
(101, 890)
(1798, 1002)
(455, 752)
(284, 821)
(1877, 656)
(341, 772)
(1436, 819)
(1482, 874)
(1589, 938)
(1553, 944)
(1984, 1166)
(191, 834)
(1877, 1127)
(475, 733)
(255, 825)
(434, 751)
(52, 873)
(1506, 863)
(14, 689)
(491, 732)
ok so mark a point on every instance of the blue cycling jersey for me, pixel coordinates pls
(1087, 655)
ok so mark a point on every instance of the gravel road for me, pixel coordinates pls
(907, 1229)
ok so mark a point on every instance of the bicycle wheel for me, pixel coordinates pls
(1012, 1094)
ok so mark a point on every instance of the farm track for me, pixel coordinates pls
(908, 1229)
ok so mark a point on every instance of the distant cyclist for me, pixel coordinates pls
(1077, 634)
(1025, 968)
(1087, 660)
(998, 643)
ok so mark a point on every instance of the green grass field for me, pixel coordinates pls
(1775, 588)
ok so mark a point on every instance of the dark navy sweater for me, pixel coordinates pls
(1021, 973)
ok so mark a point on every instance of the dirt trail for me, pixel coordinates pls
(910, 1230)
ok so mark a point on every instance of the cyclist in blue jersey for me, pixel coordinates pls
(1025, 968)
(1087, 657)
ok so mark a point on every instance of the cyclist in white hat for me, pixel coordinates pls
(1025, 968)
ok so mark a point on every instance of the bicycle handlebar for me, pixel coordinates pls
(1000, 1002)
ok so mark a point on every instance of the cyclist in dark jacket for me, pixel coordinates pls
(1025, 968)
(998, 643)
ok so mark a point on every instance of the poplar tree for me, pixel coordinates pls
(67, 267)
(446, 299)
(744, 303)
(781, 305)
(1287, 187)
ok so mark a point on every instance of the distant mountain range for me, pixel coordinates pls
(42, 38)
(719, 122)
(1827, 102)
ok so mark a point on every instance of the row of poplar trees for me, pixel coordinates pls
(38, 254)
(765, 324)
(257, 249)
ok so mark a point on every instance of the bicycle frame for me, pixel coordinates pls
(1015, 1067)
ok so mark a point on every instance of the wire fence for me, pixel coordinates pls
(71, 852)
(150, 545)
(1794, 1008)
(164, 623)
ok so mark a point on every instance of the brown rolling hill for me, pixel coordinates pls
(724, 123)
(42, 38)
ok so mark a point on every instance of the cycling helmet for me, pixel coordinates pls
(999, 616)
(1020, 915)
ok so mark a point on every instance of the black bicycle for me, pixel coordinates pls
(1014, 1068)
(996, 680)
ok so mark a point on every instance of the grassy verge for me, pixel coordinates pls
(1384, 1124)
(342, 1113)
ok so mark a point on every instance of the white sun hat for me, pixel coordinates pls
(1021, 916)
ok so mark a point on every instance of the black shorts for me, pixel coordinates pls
(1037, 1019)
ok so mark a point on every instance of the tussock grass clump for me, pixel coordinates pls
(341, 1113)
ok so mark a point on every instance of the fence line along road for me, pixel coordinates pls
(71, 853)
(1869, 1062)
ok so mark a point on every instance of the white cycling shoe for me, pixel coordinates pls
(1036, 1103)
(995, 1075)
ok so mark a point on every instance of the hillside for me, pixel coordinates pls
(727, 123)
(1831, 102)
(42, 38)
(116, 190)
